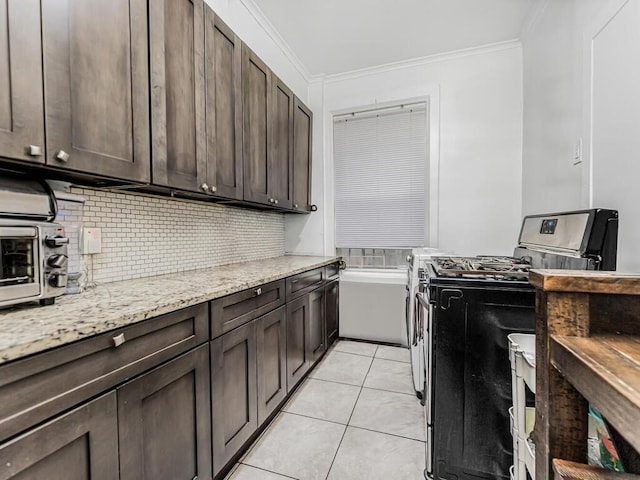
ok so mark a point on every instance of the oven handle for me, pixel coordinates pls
(422, 299)
(18, 232)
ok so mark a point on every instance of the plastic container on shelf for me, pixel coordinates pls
(517, 471)
(530, 457)
(522, 358)
(529, 420)
(524, 350)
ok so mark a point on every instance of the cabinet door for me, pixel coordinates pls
(297, 352)
(97, 86)
(316, 342)
(302, 135)
(256, 106)
(79, 445)
(21, 101)
(281, 151)
(164, 419)
(331, 302)
(233, 392)
(176, 32)
(223, 67)
(271, 356)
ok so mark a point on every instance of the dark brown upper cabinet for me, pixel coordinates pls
(256, 93)
(223, 101)
(302, 136)
(96, 86)
(21, 102)
(178, 147)
(281, 148)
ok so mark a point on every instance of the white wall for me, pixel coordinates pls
(478, 170)
(257, 33)
(553, 107)
(580, 81)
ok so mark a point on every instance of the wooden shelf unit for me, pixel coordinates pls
(587, 350)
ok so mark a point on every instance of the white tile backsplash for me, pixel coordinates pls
(144, 236)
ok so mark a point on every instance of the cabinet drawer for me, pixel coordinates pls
(38, 387)
(237, 309)
(304, 282)
(332, 271)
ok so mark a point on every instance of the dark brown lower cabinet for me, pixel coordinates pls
(79, 445)
(233, 392)
(297, 338)
(164, 421)
(317, 341)
(271, 331)
(331, 302)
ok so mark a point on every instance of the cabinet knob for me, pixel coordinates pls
(295, 205)
(204, 187)
(34, 150)
(271, 200)
(275, 201)
(119, 340)
(62, 156)
(258, 291)
(213, 189)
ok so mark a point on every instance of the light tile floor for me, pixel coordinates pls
(354, 418)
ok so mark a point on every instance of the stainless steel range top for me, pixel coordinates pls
(507, 268)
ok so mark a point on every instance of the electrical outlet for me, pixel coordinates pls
(91, 240)
(577, 152)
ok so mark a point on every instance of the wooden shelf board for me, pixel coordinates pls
(565, 470)
(605, 369)
(580, 281)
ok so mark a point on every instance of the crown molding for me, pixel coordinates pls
(416, 62)
(280, 42)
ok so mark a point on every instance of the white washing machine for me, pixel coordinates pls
(415, 331)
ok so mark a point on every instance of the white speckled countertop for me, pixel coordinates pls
(25, 330)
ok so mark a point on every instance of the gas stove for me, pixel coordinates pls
(481, 267)
(468, 306)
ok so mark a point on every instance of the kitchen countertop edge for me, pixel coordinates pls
(27, 330)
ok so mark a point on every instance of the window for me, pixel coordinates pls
(381, 168)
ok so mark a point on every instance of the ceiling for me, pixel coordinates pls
(334, 36)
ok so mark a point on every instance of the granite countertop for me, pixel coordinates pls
(28, 329)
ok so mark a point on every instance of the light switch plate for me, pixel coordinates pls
(577, 152)
(91, 241)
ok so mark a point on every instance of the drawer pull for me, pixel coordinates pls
(34, 150)
(119, 340)
(62, 156)
(258, 291)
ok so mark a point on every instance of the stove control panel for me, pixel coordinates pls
(549, 226)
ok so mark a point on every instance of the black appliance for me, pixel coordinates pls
(470, 305)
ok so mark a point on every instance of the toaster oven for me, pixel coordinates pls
(33, 261)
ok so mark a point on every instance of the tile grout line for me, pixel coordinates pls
(387, 433)
(316, 418)
(265, 470)
(393, 360)
(352, 410)
(358, 386)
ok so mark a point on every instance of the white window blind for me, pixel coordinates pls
(381, 178)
